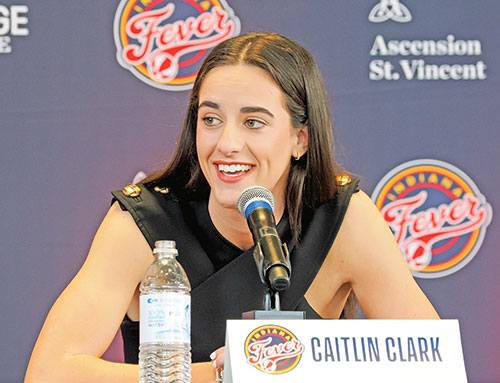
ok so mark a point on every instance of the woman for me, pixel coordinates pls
(258, 115)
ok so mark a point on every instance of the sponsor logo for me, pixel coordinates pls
(437, 214)
(273, 349)
(163, 42)
(394, 59)
(13, 21)
(409, 68)
(389, 10)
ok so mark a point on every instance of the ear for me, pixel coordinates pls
(302, 140)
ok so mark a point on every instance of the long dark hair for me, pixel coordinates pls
(312, 179)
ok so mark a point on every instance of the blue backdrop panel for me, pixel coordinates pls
(75, 125)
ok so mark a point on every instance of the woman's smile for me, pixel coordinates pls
(232, 171)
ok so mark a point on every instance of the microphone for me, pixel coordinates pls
(256, 204)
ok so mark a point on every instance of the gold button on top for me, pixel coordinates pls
(131, 191)
(161, 190)
(343, 179)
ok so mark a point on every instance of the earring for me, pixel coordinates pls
(297, 157)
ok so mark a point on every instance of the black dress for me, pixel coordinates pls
(224, 279)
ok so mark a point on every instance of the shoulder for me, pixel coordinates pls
(364, 235)
(365, 246)
(146, 194)
(119, 239)
(372, 262)
(361, 210)
(148, 204)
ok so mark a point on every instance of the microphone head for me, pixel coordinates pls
(254, 194)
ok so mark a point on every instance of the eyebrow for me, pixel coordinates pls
(256, 109)
(210, 104)
(245, 109)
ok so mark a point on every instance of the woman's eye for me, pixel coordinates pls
(254, 124)
(211, 120)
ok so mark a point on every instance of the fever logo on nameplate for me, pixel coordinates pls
(273, 349)
(163, 42)
(437, 214)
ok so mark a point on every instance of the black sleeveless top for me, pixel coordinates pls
(224, 279)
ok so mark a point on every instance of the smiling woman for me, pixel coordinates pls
(258, 115)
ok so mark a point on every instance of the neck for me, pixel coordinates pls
(232, 226)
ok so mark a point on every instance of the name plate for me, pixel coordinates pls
(343, 350)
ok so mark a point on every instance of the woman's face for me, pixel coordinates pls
(244, 133)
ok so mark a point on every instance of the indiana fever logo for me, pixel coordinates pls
(437, 214)
(162, 42)
(273, 349)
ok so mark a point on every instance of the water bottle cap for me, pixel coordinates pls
(165, 246)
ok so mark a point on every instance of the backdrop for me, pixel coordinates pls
(408, 80)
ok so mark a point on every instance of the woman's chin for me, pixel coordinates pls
(225, 200)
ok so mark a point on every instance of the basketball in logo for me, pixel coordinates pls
(163, 42)
(273, 349)
(437, 214)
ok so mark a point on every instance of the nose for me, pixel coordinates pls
(230, 140)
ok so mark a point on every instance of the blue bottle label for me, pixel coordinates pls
(165, 318)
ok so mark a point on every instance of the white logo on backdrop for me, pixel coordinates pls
(389, 10)
(13, 21)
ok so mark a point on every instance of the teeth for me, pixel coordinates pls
(234, 168)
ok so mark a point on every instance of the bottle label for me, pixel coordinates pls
(165, 318)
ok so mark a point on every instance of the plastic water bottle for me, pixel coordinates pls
(165, 319)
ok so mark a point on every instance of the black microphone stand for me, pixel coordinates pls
(272, 305)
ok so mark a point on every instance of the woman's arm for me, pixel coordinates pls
(83, 321)
(373, 264)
